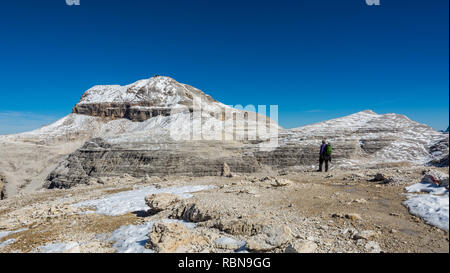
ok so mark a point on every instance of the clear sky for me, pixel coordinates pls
(315, 59)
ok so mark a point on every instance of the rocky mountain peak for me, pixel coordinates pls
(141, 100)
(156, 91)
(368, 111)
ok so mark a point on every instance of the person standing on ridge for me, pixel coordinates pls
(325, 155)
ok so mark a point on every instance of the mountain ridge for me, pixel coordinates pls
(120, 123)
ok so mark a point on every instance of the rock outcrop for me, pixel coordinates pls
(161, 201)
(270, 237)
(141, 100)
(226, 170)
(133, 112)
(440, 152)
(301, 246)
(192, 211)
(98, 158)
(436, 177)
(173, 237)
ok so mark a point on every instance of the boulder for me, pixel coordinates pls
(226, 171)
(173, 237)
(193, 211)
(436, 177)
(373, 247)
(301, 246)
(365, 234)
(271, 237)
(244, 226)
(379, 177)
(353, 216)
(161, 201)
(281, 182)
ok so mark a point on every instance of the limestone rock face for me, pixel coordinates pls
(436, 177)
(301, 246)
(192, 211)
(440, 152)
(99, 159)
(246, 227)
(161, 201)
(134, 112)
(141, 100)
(269, 238)
(172, 237)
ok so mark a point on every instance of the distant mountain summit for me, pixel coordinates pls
(143, 99)
(158, 91)
(380, 138)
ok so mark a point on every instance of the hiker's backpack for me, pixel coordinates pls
(328, 149)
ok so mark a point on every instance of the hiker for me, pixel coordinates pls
(2, 194)
(325, 155)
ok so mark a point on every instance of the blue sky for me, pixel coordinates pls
(315, 59)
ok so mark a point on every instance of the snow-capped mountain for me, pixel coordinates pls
(156, 91)
(151, 127)
(378, 138)
(144, 99)
(152, 105)
(157, 110)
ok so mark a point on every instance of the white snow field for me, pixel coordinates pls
(163, 90)
(132, 238)
(7, 242)
(6, 233)
(134, 200)
(230, 243)
(429, 202)
(57, 247)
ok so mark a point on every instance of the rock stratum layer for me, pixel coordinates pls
(151, 127)
(141, 100)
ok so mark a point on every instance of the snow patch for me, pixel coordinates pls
(132, 238)
(57, 247)
(134, 200)
(229, 243)
(7, 242)
(427, 188)
(431, 206)
(7, 233)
